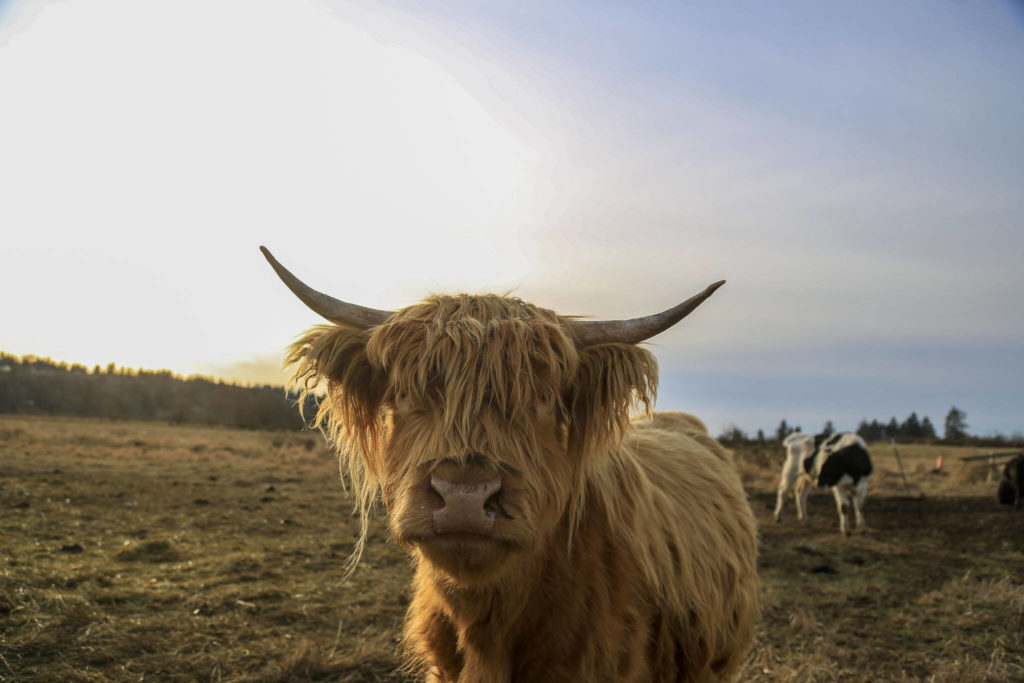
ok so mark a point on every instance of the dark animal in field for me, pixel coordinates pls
(554, 538)
(840, 462)
(1012, 483)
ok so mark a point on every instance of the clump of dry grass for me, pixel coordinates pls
(969, 607)
(966, 473)
(151, 551)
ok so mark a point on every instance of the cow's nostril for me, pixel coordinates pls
(435, 496)
(493, 506)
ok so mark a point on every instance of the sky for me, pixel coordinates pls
(855, 171)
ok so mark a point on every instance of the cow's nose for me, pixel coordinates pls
(468, 501)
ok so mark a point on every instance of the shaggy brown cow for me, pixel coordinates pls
(554, 540)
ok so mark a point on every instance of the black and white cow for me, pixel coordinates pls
(840, 462)
(1012, 483)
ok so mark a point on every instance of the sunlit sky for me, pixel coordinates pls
(854, 170)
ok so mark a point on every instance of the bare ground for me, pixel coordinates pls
(133, 551)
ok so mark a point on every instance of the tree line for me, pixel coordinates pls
(31, 385)
(911, 429)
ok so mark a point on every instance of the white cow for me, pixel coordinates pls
(840, 462)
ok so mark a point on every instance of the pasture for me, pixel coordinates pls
(133, 551)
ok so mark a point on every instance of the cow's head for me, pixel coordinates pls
(476, 419)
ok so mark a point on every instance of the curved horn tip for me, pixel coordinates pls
(281, 271)
(636, 330)
(340, 312)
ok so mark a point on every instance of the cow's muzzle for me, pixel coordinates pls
(467, 500)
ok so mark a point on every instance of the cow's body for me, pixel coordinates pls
(840, 462)
(554, 539)
(1011, 485)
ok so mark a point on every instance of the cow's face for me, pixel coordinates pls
(475, 420)
(474, 466)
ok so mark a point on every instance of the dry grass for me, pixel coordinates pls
(134, 550)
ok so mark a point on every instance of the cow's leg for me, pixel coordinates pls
(858, 503)
(785, 486)
(803, 487)
(842, 504)
(1017, 480)
(779, 497)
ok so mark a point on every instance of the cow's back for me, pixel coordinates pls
(684, 424)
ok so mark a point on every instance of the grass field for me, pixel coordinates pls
(132, 551)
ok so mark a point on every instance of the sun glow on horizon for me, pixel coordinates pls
(143, 141)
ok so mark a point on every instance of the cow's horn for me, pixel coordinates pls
(591, 332)
(334, 310)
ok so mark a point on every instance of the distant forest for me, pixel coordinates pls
(913, 429)
(41, 386)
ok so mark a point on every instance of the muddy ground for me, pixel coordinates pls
(141, 551)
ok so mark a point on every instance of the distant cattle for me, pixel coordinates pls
(1012, 483)
(840, 462)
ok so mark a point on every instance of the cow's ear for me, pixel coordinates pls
(612, 382)
(332, 359)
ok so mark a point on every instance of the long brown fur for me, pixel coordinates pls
(629, 553)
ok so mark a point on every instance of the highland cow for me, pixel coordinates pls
(554, 538)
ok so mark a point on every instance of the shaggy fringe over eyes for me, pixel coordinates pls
(462, 354)
(479, 366)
